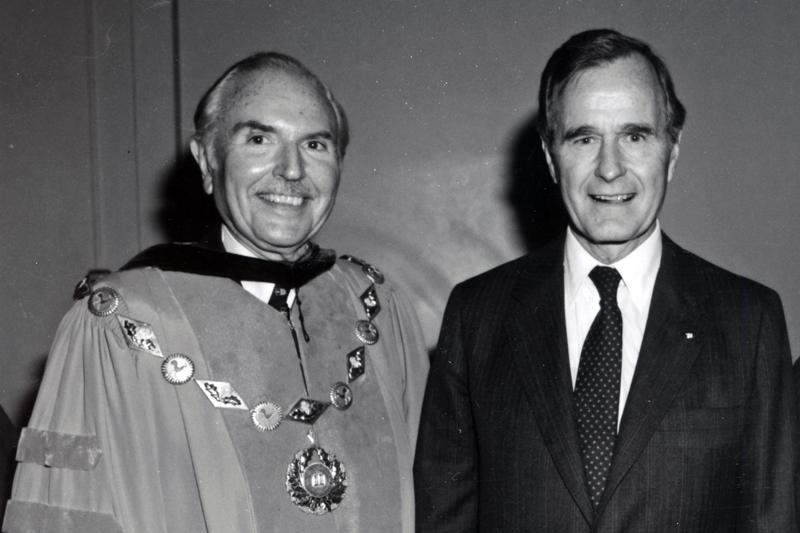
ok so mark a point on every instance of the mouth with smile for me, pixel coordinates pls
(282, 199)
(612, 198)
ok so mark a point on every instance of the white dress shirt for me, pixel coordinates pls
(582, 301)
(260, 289)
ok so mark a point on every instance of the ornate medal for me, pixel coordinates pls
(221, 394)
(355, 364)
(266, 416)
(307, 410)
(316, 487)
(366, 332)
(177, 369)
(372, 306)
(341, 396)
(103, 301)
(374, 274)
(139, 335)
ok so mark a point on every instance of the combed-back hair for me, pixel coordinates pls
(207, 114)
(595, 48)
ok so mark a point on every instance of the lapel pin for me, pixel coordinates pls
(690, 335)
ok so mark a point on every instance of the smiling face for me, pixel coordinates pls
(611, 155)
(273, 168)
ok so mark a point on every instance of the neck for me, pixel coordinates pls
(234, 245)
(296, 254)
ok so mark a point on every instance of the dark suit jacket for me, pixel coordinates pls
(706, 441)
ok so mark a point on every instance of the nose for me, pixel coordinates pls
(610, 165)
(290, 166)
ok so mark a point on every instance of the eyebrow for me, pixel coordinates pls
(573, 133)
(580, 131)
(642, 129)
(253, 125)
(324, 134)
(265, 128)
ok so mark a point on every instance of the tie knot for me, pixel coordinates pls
(606, 279)
(280, 297)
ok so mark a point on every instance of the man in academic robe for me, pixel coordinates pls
(610, 381)
(251, 382)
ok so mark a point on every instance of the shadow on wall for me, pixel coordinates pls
(532, 194)
(187, 213)
(9, 433)
(37, 367)
(528, 198)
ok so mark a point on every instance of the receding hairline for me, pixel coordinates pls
(594, 48)
(217, 100)
(642, 64)
(237, 87)
(554, 106)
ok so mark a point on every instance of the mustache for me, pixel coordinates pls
(288, 189)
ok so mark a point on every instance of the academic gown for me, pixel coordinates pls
(113, 446)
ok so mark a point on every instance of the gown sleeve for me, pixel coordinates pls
(416, 363)
(87, 445)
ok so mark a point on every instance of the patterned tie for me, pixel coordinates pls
(280, 298)
(597, 386)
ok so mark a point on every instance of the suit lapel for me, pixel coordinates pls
(672, 340)
(537, 335)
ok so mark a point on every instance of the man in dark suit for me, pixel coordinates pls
(611, 381)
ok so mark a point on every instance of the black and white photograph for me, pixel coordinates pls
(396, 266)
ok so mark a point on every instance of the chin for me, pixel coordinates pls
(283, 246)
(283, 239)
(611, 238)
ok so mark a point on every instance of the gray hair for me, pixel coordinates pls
(591, 49)
(206, 117)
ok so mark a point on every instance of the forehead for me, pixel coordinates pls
(625, 85)
(277, 96)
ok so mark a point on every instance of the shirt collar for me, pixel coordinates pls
(638, 269)
(260, 289)
(233, 246)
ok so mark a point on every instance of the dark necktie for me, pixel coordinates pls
(280, 298)
(597, 386)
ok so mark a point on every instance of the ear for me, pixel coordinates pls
(550, 164)
(673, 157)
(205, 161)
